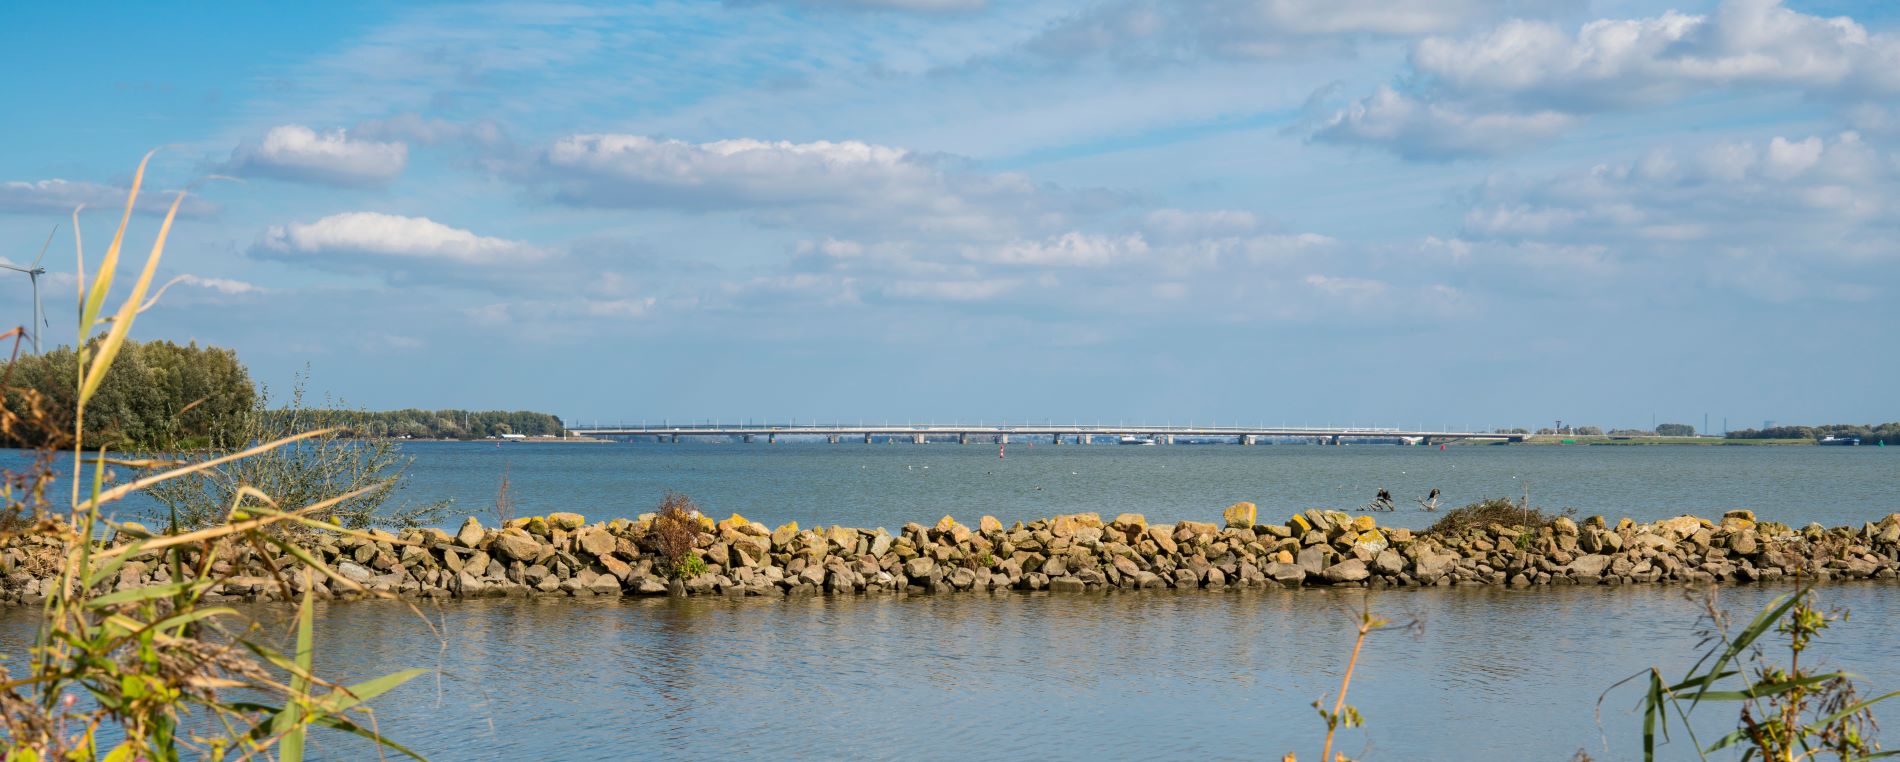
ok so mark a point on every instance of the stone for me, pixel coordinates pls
(1370, 540)
(516, 544)
(1589, 566)
(1163, 538)
(1072, 524)
(1240, 515)
(1349, 570)
(538, 526)
(1312, 559)
(1388, 562)
(567, 521)
(988, 524)
(353, 573)
(1134, 522)
(1363, 524)
(596, 540)
(1564, 526)
(880, 543)
(919, 567)
(1067, 585)
(783, 535)
(1290, 575)
(470, 534)
(732, 524)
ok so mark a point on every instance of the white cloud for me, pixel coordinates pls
(1421, 130)
(1812, 198)
(391, 238)
(798, 184)
(297, 153)
(58, 196)
(1524, 82)
(1619, 61)
(919, 6)
(224, 286)
(1073, 249)
(1178, 223)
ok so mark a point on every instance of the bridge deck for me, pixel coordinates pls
(913, 430)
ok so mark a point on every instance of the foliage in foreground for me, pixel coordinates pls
(153, 662)
(1788, 712)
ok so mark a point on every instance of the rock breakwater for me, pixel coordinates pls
(563, 554)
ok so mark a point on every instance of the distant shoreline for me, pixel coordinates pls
(1606, 440)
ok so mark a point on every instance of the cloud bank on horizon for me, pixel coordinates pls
(1453, 212)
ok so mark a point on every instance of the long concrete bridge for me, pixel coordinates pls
(1055, 433)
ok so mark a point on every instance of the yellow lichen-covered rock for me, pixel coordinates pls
(1284, 557)
(1740, 513)
(1624, 523)
(567, 521)
(1364, 524)
(1337, 518)
(1069, 525)
(537, 525)
(1133, 521)
(989, 524)
(782, 536)
(1195, 528)
(732, 523)
(845, 538)
(706, 524)
(944, 524)
(1299, 524)
(1240, 515)
(1371, 540)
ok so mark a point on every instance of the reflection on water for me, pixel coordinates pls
(1496, 674)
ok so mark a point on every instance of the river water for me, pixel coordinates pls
(1494, 674)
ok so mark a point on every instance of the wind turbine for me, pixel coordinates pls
(34, 274)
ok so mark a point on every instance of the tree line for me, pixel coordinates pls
(162, 396)
(1867, 434)
(157, 396)
(433, 424)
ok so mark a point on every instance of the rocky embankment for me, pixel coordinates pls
(562, 554)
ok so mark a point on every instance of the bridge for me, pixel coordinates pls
(1001, 434)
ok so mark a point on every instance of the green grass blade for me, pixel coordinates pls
(344, 699)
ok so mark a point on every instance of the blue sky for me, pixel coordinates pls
(1301, 211)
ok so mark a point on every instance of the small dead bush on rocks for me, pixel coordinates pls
(1497, 510)
(675, 532)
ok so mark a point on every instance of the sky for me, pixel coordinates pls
(1441, 213)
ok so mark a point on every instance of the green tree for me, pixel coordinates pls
(1675, 430)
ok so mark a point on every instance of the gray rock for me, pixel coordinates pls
(1589, 566)
(470, 534)
(354, 573)
(1349, 570)
(1067, 585)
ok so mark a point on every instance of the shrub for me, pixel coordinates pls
(1497, 510)
(675, 532)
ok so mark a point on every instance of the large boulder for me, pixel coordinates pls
(568, 522)
(595, 540)
(1349, 570)
(1589, 566)
(1242, 515)
(516, 545)
(988, 524)
(470, 534)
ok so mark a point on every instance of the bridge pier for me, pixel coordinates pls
(1167, 439)
(1427, 441)
(771, 439)
(916, 439)
(1002, 439)
(747, 438)
(1083, 439)
(832, 438)
(963, 437)
(676, 439)
(1055, 439)
(1246, 440)
(867, 437)
(1335, 441)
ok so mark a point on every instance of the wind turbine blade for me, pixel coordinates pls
(49, 242)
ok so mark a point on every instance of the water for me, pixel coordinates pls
(1495, 674)
(887, 485)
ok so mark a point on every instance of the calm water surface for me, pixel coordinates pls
(887, 485)
(1495, 674)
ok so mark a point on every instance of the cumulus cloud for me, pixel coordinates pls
(1430, 131)
(360, 236)
(62, 196)
(793, 183)
(1525, 81)
(1811, 198)
(297, 153)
